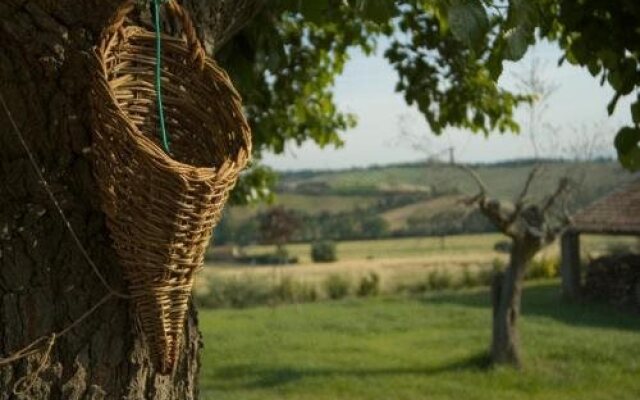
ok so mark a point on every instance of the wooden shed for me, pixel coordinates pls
(617, 213)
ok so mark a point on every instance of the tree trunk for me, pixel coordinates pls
(506, 293)
(45, 284)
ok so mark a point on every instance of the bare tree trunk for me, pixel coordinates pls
(529, 228)
(45, 284)
(506, 296)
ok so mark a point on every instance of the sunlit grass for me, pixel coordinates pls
(410, 348)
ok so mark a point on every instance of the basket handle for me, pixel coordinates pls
(176, 11)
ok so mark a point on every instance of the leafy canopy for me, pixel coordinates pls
(448, 55)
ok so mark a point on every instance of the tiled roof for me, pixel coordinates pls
(618, 212)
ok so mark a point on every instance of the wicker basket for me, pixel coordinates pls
(160, 208)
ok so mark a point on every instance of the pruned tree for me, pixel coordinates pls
(531, 226)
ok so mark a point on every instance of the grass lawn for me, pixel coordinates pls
(418, 348)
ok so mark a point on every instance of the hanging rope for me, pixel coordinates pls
(58, 208)
(156, 17)
(46, 343)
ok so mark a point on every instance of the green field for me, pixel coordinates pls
(480, 244)
(397, 262)
(418, 348)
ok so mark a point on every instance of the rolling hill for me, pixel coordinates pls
(403, 193)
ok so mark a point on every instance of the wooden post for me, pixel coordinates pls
(570, 265)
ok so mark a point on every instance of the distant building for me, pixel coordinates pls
(618, 213)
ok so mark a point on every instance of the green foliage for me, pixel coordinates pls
(603, 37)
(514, 32)
(448, 55)
(454, 50)
(234, 292)
(277, 225)
(369, 285)
(291, 291)
(284, 64)
(628, 146)
(469, 279)
(498, 265)
(468, 22)
(543, 268)
(247, 291)
(324, 251)
(374, 227)
(336, 286)
(443, 69)
(255, 185)
(440, 279)
(486, 275)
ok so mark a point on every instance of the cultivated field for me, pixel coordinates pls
(396, 261)
(418, 348)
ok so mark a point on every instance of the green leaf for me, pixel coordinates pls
(379, 11)
(519, 28)
(313, 10)
(468, 22)
(635, 111)
(627, 144)
(517, 43)
(594, 67)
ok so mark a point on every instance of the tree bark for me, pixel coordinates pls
(45, 284)
(506, 296)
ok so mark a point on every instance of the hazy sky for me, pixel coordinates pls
(366, 88)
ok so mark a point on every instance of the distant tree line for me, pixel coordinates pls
(357, 224)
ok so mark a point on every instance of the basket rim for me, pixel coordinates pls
(163, 160)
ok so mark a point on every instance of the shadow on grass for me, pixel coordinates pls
(544, 300)
(249, 376)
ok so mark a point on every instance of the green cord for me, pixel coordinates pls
(163, 131)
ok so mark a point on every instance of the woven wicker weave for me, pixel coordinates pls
(161, 209)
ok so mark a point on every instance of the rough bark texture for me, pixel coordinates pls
(506, 296)
(44, 282)
(530, 227)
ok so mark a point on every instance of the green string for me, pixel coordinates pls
(163, 130)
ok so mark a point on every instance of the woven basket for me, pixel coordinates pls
(160, 208)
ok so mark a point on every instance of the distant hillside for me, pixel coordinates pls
(503, 179)
(420, 196)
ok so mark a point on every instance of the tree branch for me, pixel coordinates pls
(520, 202)
(534, 171)
(493, 209)
(563, 185)
(473, 174)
